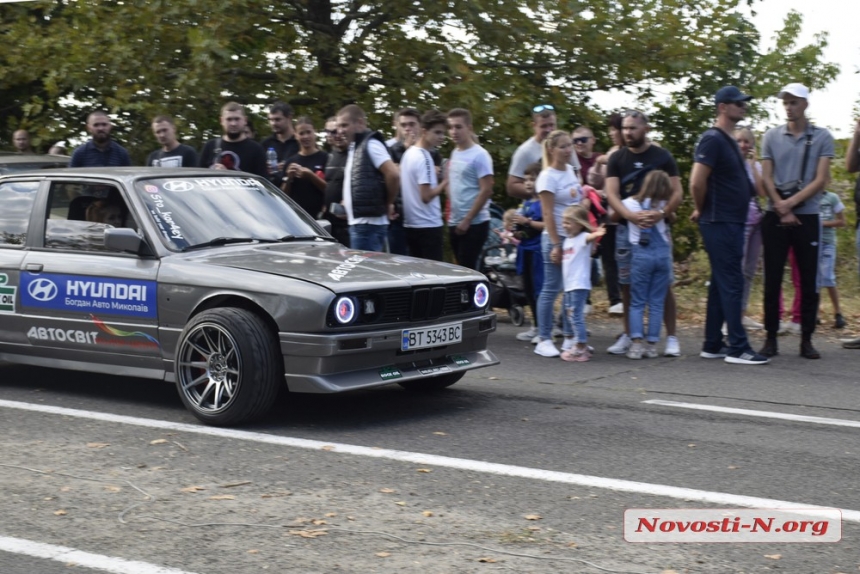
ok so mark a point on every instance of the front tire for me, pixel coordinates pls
(228, 367)
(432, 384)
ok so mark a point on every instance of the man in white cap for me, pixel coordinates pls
(796, 164)
(722, 190)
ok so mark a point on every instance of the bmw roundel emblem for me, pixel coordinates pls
(42, 289)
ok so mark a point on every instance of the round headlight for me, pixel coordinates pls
(482, 295)
(344, 310)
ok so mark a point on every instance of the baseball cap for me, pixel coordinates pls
(797, 90)
(728, 94)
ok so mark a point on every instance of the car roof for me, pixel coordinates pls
(16, 158)
(129, 175)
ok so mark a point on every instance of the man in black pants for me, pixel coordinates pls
(796, 163)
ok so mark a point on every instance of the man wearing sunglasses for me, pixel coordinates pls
(721, 188)
(583, 143)
(543, 123)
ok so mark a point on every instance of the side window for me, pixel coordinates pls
(78, 215)
(17, 199)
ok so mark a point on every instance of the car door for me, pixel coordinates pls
(18, 199)
(82, 302)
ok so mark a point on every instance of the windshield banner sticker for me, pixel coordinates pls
(163, 218)
(82, 294)
(7, 295)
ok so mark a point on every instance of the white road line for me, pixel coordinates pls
(68, 555)
(763, 414)
(687, 494)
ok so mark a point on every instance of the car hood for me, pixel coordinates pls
(336, 267)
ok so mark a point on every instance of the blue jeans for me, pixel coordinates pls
(724, 243)
(368, 237)
(553, 283)
(650, 277)
(574, 310)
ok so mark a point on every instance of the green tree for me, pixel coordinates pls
(139, 58)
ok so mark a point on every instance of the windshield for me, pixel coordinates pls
(194, 211)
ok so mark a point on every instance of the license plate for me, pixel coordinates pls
(438, 336)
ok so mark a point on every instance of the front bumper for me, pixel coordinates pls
(335, 363)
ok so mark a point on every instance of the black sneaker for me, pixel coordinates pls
(749, 357)
(807, 351)
(839, 323)
(770, 348)
(722, 353)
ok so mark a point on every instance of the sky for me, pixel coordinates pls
(831, 108)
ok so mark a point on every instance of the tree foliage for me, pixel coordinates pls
(139, 58)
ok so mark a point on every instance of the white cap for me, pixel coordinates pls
(796, 90)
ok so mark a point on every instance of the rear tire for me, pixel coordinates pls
(228, 367)
(432, 384)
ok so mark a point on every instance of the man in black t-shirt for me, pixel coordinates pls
(283, 139)
(172, 153)
(234, 151)
(625, 173)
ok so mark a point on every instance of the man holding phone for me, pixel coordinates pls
(334, 211)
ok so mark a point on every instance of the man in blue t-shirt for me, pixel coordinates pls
(721, 190)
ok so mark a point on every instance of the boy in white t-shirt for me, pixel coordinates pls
(470, 187)
(419, 189)
(576, 269)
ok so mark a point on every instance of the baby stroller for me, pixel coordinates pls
(499, 264)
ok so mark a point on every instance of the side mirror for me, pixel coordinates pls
(126, 240)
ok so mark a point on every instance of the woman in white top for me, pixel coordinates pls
(558, 187)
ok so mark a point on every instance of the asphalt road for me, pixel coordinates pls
(192, 502)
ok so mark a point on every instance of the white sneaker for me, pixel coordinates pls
(725, 330)
(617, 309)
(546, 348)
(568, 344)
(557, 332)
(651, 351)
(636, 351)
(789, 328)
(751, 324)
(673, 349)
(527, 335)
(535, 339)
(586, 310)
(621, 345)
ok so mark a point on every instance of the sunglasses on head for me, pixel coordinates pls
(543, 108)
(581, 140)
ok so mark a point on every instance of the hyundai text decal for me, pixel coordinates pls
(87, 294)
